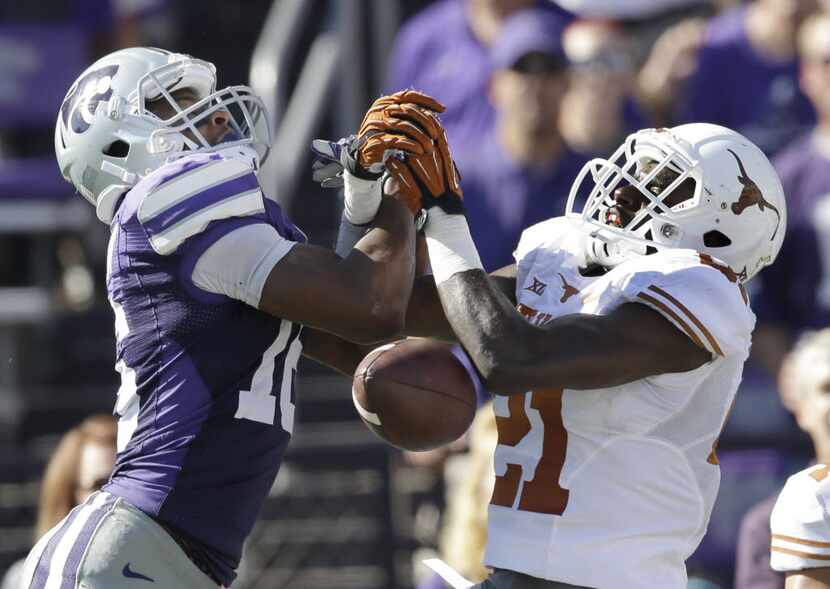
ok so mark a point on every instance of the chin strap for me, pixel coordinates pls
(610, 251)
(122, 174)
(105, 206)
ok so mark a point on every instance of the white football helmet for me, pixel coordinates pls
(106, 140)
(737, 213)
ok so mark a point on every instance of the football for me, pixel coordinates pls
(415, 394)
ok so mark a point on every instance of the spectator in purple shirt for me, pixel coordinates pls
(795, 294)
(598, 110)
(519, 172)
(747, 74)
(444, 51)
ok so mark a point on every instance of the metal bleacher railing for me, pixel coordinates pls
(336, 73)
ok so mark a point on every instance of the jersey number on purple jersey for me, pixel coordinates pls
(259, 404)
(127, 403)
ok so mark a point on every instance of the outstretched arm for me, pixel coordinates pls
(574, 351)
(425, 315)
(424, 318)
(362, 294)
(361, 298)
(512, 355)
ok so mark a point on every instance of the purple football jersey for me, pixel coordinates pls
(795, 290)
(206, 404)
(736, 87)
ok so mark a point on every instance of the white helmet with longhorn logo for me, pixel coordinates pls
(736, 212)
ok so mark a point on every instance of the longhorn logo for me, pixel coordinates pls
(569, 290)
(751, 195)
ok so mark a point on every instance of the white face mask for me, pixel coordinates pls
(723, 198)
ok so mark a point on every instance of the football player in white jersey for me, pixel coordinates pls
(800, 521)
(615, 346)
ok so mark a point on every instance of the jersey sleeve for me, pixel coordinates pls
(697, 296)
(799, 522)
(549, 236)
(209, 211)
(238, 264)
(542, 235)
(202, 190)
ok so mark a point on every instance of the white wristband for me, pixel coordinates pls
(451, 248)
(361, 199)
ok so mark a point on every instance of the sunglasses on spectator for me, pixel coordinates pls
(539, 63)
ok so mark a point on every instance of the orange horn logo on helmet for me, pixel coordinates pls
(751, 195)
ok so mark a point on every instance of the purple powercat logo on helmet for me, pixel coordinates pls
(78, 108)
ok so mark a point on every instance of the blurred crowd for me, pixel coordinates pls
(533, 89)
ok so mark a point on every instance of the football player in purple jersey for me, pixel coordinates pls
(211, 285)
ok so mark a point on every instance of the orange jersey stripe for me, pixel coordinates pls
(803, 541)
(709, 337)
(707, 260)
(679, 320)
(809, 555)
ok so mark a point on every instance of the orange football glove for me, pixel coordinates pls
(405, 121)
(429, 179)
(407, 97)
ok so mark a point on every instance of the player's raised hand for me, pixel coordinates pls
(336, 165)
(403, 122)
(406, 121)
(409, 97)
(397, 127)
(328, 165)
(332, 157)
(429, 179)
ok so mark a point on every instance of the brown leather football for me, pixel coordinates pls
(414, 394)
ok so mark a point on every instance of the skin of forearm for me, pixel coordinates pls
(573, 351)
(383, 261)
(483, 320)
(425, 315)
(335, 352)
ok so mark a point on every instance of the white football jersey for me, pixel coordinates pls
(613, 487)
(800, 522)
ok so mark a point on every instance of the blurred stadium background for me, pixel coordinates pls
(346, 510)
